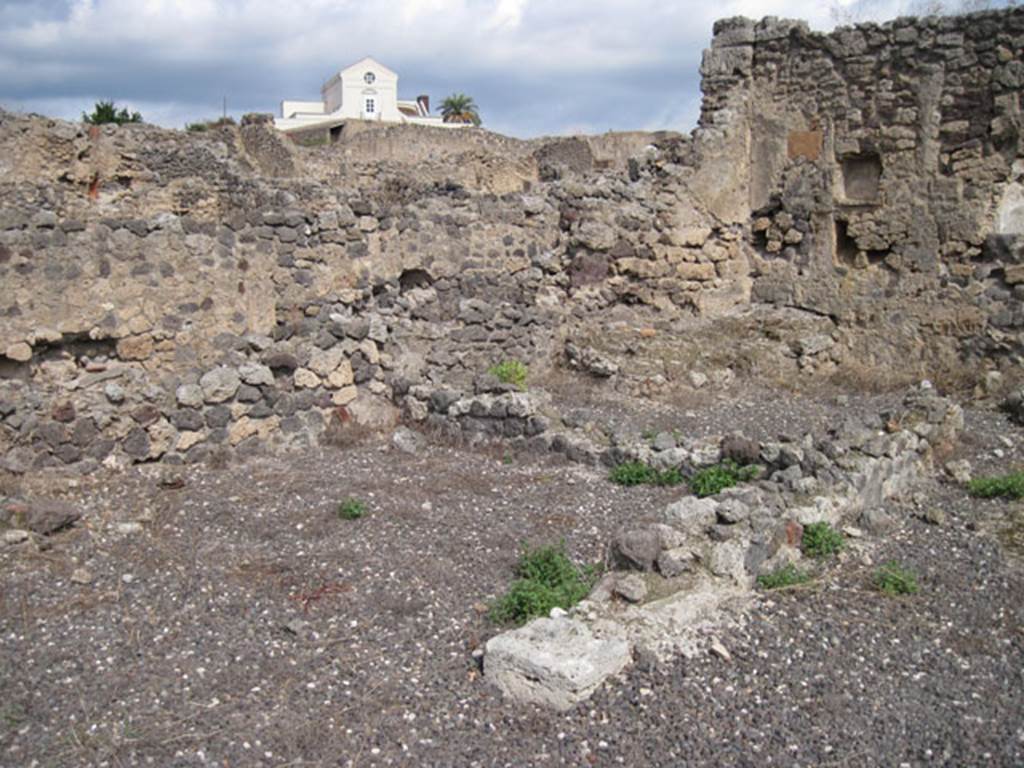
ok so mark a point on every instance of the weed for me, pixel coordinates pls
(511, 372)
(208, 125)
(715, 479)
(821, 540)
(638, 473)
(648, 435)
(1009, 486)
(351, 509)
(893, 579)
(786, 576)
(545, 578)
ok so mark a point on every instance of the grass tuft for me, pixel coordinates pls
(545, 578)
(786, 576)
(715, 479)
(351, 509)
(821, 540)
(1004, 486)
(894, 579)
(638, 473)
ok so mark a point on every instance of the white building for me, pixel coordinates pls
(366, 90)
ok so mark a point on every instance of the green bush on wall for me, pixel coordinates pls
(512, 372)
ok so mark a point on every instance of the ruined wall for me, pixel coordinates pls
(171, 296)
(850, 203)
(882, 176)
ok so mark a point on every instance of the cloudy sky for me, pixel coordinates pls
(533, 66)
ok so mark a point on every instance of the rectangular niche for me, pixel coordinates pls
(862, 177)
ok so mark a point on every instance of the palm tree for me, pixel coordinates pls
(459, 108)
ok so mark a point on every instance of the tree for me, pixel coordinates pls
(459, 108)
(106, 112)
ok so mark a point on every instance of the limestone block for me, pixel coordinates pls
(187, 439)
(161, 437)
(256, 374)
(324, 361)
(342, 376)
(691, 513)
(596, 236)
(306, 379)
(245, 428)
(691, 236)
(219, 384)
(698, 271)
(369, 349)
(189, 395)
(135, 347)
(1015, 274)
(729, 559)
(553, 662)
(345, 395)
(20, 352)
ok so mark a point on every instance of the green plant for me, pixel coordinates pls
(512, 372)
(107, 112)
(893, 579)
(459, 108)
(351, 509)
(545, 578)
(1009, 486)
(786, 576)
(716, 478)
(821, 540)
(209, 125)
(638, 473)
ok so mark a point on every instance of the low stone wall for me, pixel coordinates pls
(706, 553)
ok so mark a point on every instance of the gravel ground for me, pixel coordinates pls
(244, 624)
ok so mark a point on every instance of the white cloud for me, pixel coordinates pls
(532, 66)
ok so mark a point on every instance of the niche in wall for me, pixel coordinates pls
(862, 176)
(845, 246)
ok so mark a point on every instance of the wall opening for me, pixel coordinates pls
(414, 278)
(862, 177)
(845, 246)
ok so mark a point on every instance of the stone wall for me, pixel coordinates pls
(882, 178)
(850, 204)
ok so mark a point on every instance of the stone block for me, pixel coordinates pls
(553, 662)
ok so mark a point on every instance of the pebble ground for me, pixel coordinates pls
(245, 624)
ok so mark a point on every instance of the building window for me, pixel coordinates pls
(371, 106)
(369, 78)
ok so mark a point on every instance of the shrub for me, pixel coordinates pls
(209, 125)
(786, 576)
(510, 372)
(351, 509)
(821, 540)
(714, 479)
(638, 473)
(545, 578)
(106, 112)
(1009, 486)
(893, 579)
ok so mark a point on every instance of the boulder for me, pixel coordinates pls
(635, 549)
(553, 662)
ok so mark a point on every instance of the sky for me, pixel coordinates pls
(534, 67)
